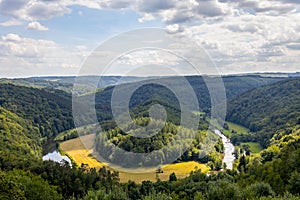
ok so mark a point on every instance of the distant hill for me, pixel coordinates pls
(148, 94)
(66, 83)
(267, 109)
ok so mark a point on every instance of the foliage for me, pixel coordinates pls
(19, 184)
(49, 110)
(267, 110)
(19, 141)
(175, 137)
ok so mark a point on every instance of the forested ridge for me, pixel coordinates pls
(150, 93)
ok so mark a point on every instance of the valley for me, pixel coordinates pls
(259, 142)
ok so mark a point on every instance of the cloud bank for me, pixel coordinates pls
(240, 35)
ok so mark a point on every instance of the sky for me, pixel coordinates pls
(55, 37)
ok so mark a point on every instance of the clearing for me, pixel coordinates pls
(255, 147)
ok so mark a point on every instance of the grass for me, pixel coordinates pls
(80, 154)
(227, 133)
(254, 146)
(197, 113)
(181, 170)
(237, 128)
(60, 136)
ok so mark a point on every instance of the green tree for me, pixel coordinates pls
(172, 177)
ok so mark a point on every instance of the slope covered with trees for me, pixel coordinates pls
(279, 164)
(23, 174)
(49, 110)
(268, 109)
(149, 94)
(19, 141)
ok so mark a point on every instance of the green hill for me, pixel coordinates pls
(279, 164)
(19, 141)
(148, 94)
(49, 110)
(274, 173)
(268, 109)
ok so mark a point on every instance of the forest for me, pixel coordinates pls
(266, 110)
(270, 109)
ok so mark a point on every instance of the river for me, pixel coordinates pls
(56, 157)
(229, 150)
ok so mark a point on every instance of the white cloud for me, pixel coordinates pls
(36, 26)
(174, 28)
(146, 17)
(239, 34)
(31, 10)
(11, 38)
(251, 43)
(11, 22)
(21, 56)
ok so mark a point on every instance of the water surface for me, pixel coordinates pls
(56, 157)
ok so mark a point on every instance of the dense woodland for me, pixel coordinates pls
(266, 110)
(48, 110)
(27, 115)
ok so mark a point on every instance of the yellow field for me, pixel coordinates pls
(80, 154)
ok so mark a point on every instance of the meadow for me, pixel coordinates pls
(255, 147)
(83, 154)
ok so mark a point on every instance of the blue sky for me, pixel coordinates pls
(42, 37)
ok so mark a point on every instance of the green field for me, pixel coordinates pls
(237, 128)
(197, 113)
(254, 146)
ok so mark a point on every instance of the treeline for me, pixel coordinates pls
(49, 180)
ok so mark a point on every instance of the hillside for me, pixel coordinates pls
(268, 109)
(279, 164)
(272, 173)
(56, 105)
(19, 141)
(49, 110)
(148, 94)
